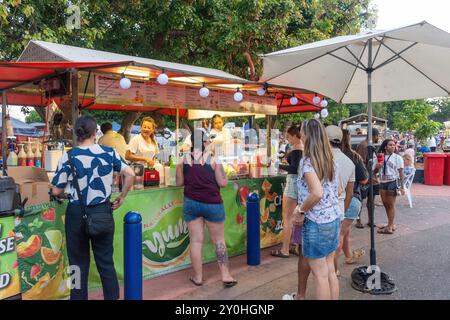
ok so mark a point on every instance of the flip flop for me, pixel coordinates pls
(229, 284)
(385, 225)
(356, 255)
(278, 253)
(359, 225)
(385, 231)
(294, 250)
(198, 284)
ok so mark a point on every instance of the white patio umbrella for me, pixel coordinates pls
(411, 62)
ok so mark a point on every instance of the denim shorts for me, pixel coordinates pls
(320, 240)
(290, 190)
(212, 212)
(353, 210)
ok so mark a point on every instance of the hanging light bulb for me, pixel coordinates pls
(238, 96)
(324, 103)
(204, 91)
(293, 100)
(316, 100)
(163, 78)
(125, 83)
(324, 113)
(261, 91)
(316, 116)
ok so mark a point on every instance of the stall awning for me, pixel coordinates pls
(14, 74)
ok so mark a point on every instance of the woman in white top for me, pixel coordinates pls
(220, 137)
(143, 147)
(391, 170)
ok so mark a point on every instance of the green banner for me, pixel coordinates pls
(165, 235)
(41, 252)
(9, 276)
(40, 236)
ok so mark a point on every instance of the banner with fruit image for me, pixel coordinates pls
(41, 253)
(9, 276)
(165, 235)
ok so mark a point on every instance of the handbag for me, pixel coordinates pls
(96, 222)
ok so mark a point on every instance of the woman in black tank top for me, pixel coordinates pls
(202, 176)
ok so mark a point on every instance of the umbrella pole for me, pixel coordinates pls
(370, 278)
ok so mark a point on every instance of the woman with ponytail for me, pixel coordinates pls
(202, 177)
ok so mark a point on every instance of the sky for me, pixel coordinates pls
(391, 14)
(397, 13)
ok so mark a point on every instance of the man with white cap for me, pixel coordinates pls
(346, 171)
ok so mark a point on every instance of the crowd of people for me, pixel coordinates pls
(324, 196)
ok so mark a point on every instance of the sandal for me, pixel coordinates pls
(229, 284)
(356, 255)
(359, 225)
(384, 226)
(278, 253)
(385, 230)
(198, 284)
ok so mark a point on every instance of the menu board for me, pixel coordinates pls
(152, 94)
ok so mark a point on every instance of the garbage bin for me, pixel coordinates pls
(434, 168)
(447, 170)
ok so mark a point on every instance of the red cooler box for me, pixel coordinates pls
(434, 168)
(447, 170)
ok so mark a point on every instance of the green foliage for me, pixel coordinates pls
(415, 118)
(33, 116)
(222, 34)
(441, 108)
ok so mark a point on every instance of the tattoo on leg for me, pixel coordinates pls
(221, 253)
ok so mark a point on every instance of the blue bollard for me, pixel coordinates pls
(133, 256)
(253, 230)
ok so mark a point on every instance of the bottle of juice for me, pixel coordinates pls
(12, 160)
(38, 156)
(22, 156)
(30, 156)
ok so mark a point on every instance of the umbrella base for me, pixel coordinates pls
(369, 282)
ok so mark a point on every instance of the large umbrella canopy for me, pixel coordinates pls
(21, 128)
(410, 62)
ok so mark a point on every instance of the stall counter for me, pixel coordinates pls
(165, 239)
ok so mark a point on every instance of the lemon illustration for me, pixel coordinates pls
(55, 239)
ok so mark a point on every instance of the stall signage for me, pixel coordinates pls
(152, 94)
(9, 277)
(165, 237)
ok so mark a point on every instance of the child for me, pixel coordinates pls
(409, 165)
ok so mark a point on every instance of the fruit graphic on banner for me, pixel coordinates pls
(42, 254)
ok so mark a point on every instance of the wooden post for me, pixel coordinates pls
(74, 103)
(4, 132)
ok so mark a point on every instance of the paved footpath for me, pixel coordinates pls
(417, 256)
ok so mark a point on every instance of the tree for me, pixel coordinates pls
(415, 118)
(222, 34)
(33, 116)
(441, 108)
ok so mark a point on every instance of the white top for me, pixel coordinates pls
(389, 171)
(327, 209)
(221, 140)
(139, 147)
(431, 142)
(346, 171)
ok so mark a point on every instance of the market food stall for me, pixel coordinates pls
(150, 85)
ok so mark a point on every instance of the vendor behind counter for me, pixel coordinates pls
(143, 148)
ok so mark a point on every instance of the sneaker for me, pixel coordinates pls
(289, 296)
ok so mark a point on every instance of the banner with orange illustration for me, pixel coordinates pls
(165, 238)
(41, 252)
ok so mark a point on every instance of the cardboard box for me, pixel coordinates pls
(33, 184)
